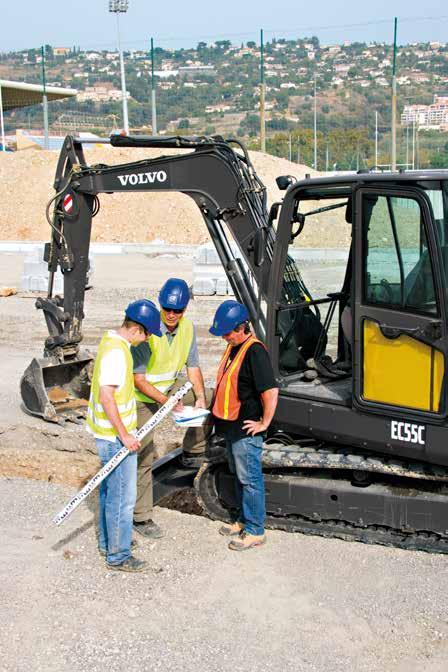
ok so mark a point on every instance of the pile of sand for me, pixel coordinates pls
(26, 185)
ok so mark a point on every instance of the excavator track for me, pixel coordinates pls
(317, 473)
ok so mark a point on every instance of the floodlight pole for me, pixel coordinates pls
(117, 7)
(45, 101)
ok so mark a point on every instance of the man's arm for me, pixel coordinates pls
(152, 392)
(107, 401)
(196, 378)
(269, 400)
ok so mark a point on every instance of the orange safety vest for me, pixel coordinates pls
(226, 401)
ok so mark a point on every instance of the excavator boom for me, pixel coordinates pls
(218, 175)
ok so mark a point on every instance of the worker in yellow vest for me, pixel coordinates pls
(112, 419)
(244, 404)
(158, 364)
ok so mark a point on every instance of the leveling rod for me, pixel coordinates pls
(119, 457)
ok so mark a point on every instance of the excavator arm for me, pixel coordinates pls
(217, 174)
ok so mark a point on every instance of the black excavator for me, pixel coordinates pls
(359, 444)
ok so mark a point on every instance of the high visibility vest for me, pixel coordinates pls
(167, 359)
(226, 401)
(97, 421)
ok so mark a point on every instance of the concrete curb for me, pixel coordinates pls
(306, 254)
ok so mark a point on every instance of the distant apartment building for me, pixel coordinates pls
(427, 116)
(61, 51)
(100, 94)
(196, 70)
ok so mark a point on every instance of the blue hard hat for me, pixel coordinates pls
(174, 294)
(145, 312)
(228, 316)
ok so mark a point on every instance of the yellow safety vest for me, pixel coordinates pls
(167, 359)
(97, 420)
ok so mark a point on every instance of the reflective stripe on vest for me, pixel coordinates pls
(167, 359)
(97, 420)
(227, 403)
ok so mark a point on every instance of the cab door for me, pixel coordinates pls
(399, 319)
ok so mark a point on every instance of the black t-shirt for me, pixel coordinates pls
(255, 376)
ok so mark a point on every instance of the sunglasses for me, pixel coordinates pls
(176, 311)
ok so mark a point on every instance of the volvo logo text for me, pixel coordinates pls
(143, 178)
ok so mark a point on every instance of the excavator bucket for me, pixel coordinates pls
(57, 392)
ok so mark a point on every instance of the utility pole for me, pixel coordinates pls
(290, 147)
(315, 125)
(2, 125)
(298, 150)
(45, 101)
(407, 146)
(417, 148)
(413, 144)
(153, 92)
(376, 139)
(262, 97)
(326, 159)
(394, 103)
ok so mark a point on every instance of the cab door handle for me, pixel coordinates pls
(433, 331)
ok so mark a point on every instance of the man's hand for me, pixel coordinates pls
(200, 403)
(253, 427)
(179, 407)
(130, 442)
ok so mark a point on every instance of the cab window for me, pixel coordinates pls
(398, 272)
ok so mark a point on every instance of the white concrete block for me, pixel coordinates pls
(204, 287)
(222, 286)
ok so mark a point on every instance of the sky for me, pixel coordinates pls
(178, 23)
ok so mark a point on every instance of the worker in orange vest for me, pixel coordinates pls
(244, 404)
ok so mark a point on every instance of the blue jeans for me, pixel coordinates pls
(244, 455)
(118, 492)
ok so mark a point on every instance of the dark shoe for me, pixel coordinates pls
(191, 460)
(130, 565)
(149, 529)
(134, 544)
(233, 530)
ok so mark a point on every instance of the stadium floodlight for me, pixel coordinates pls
(118, 7)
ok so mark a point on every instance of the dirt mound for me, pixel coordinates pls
(26, 180)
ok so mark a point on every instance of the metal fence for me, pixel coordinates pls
(328, 106)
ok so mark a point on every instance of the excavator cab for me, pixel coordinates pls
(383, 344)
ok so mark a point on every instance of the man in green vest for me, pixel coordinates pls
(112, 419)
(157, 365)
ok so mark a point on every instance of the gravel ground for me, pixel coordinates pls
(298, 603)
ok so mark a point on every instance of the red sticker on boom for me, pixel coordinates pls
(67, 203)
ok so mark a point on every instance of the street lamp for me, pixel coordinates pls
(118, 7)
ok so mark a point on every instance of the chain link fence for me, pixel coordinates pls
(332, 100)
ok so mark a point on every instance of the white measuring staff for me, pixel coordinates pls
(119, 457)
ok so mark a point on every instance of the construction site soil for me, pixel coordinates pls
(26, 180)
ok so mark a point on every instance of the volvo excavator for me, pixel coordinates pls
(359, 444)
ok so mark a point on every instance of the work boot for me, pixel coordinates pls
(130, 565)
(245, 541)
(232, 530)
(191, 460)
(103, 552)
(149, 529)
